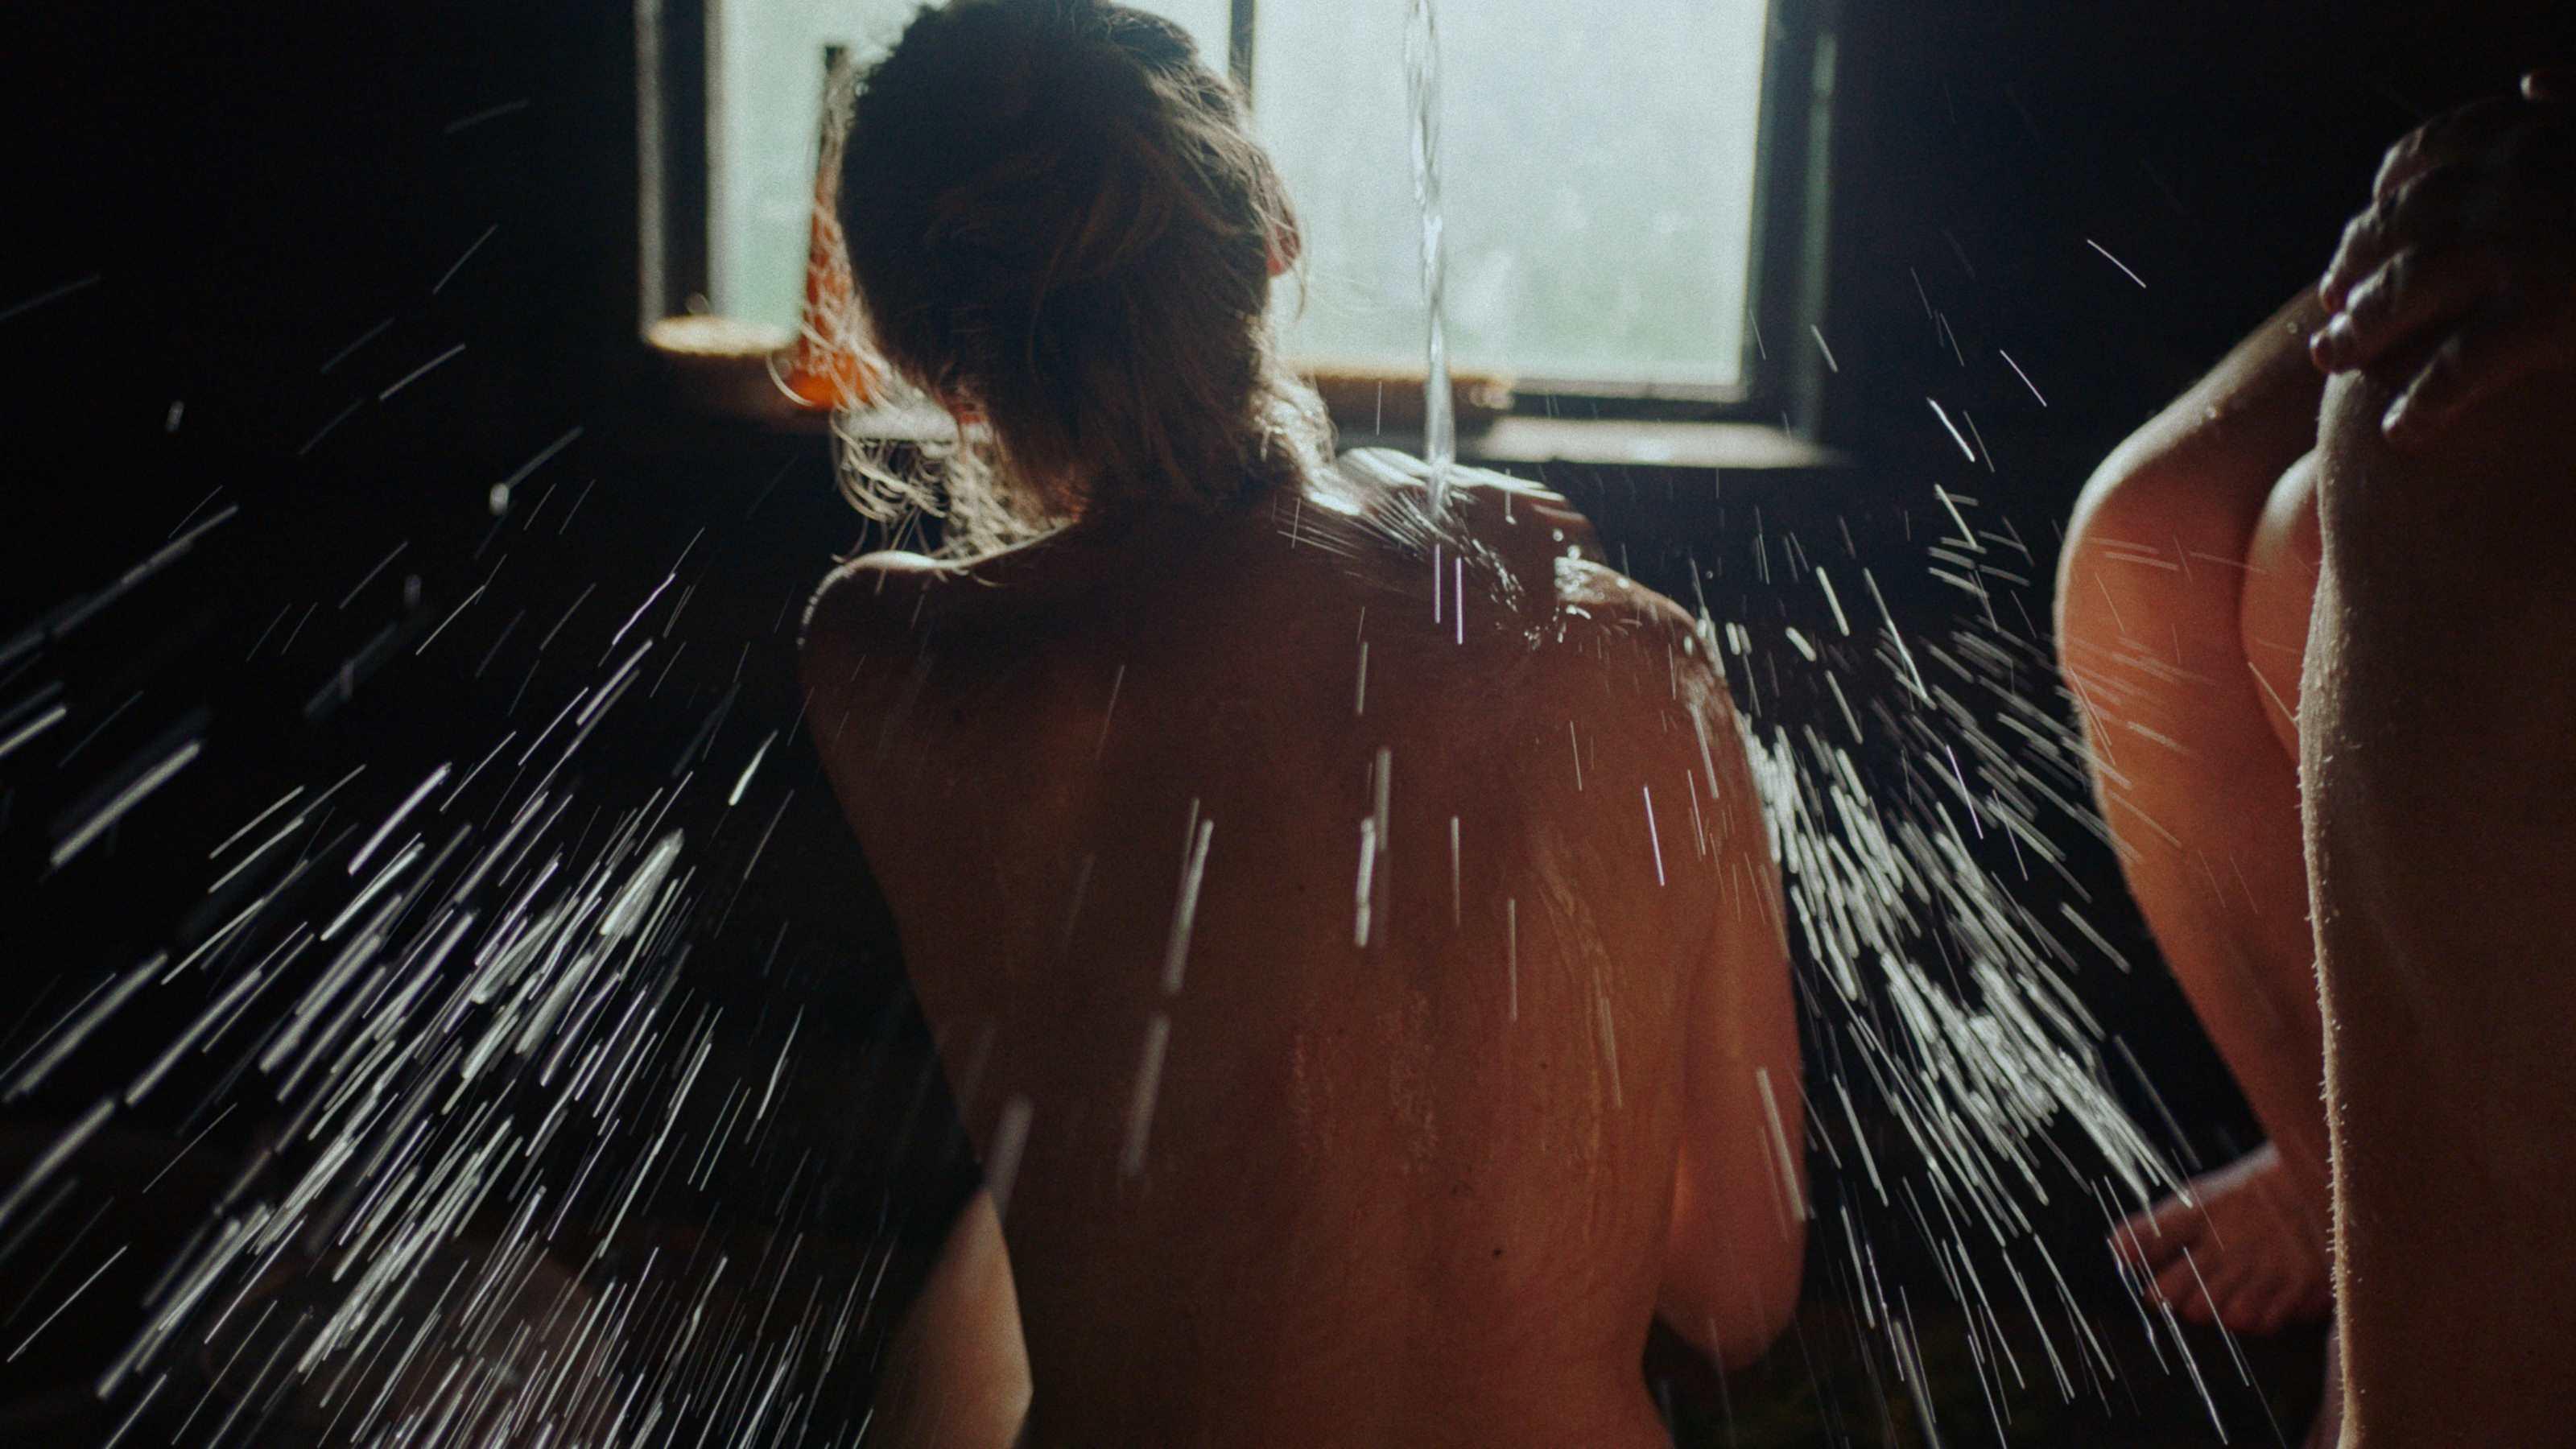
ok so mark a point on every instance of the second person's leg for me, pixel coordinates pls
(2181, 624)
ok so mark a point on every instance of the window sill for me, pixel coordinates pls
(1621, 443)
(722, 369)
(714, 367)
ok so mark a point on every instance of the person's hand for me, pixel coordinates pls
(2460, 277)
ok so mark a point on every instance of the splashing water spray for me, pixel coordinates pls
(527, 1178)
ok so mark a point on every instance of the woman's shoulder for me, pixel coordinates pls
(862, 594)
(873, 605)
(890, 604)
(1511, 519)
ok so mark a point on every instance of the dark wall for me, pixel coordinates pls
(233, 231)
(2215, 148)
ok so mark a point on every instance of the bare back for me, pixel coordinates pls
(1323, 978)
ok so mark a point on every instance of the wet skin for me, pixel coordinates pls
(1282, 1176)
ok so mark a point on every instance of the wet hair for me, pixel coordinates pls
(1058, 223)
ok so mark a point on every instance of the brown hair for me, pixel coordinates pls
(1058, 221)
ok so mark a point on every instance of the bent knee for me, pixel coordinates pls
(2164, 534)
(2150, 588)
(2280, 589)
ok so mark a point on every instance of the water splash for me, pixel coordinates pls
(472, 1018)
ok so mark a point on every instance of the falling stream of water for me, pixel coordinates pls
(1422, 89)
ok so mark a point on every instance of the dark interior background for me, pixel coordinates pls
(236, 192)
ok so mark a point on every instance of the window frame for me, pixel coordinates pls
(1783, 378)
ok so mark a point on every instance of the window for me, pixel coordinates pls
(1614, 175)
(764, 109)
(1597, 167)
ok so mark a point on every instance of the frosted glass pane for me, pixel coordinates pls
(1598, 165)
(765, 87)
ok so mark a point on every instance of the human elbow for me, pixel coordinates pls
(1731, 1281)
